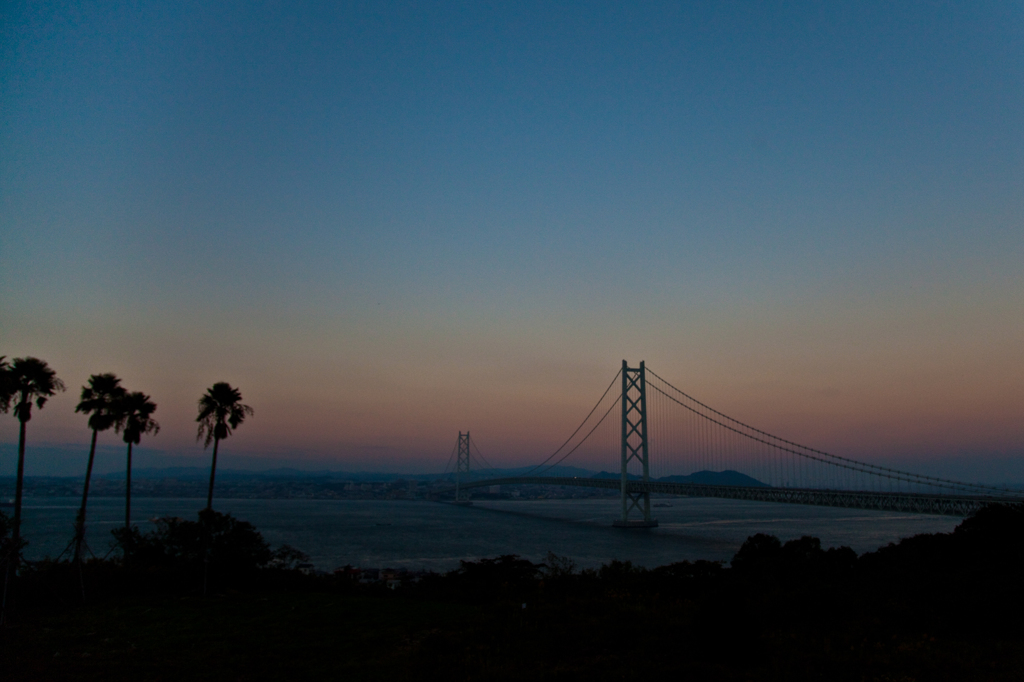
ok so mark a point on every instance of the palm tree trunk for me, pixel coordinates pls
(128, 507)
(80, 522)
(213, 472)
(128, 493)
(11, 567)
(209, 507)
(18, 488)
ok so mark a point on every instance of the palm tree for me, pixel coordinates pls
(6, 387)
(220, 412)
(135, 416)
(100, 399)
(26, 380)
(6, 393)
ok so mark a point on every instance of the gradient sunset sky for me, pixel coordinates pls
(388, 222)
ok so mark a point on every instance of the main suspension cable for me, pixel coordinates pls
(863, 467)
(479, 454)
(846, 463)
(450, 457)
(567, 440)
(562, 458)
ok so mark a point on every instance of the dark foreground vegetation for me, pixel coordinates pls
(933, 607)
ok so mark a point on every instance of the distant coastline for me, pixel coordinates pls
(187, 482)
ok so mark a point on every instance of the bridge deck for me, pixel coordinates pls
(919, 503)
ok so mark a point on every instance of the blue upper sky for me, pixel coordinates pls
(361, 209)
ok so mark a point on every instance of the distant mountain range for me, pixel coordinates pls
(200, 473)
(728, 477)
(615, 475)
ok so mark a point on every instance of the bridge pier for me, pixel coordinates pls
(462, 466)
(634, 446)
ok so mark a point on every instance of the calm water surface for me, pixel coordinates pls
(371, 533)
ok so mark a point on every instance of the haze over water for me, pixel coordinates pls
(435, 536)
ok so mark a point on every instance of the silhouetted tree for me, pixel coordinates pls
(6, 386)
(6, 546)
(700, 569)
(557, 567)
(507, 575)
(101, 400)
(235, 546)
(620, 574)
(26, 380)
(757, 552)
(220, 412)
(994, 536)
(135, 417)
(999, 523)
(287, 558)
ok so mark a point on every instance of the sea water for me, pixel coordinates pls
(436, 536)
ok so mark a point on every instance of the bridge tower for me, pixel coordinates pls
(462, 466)
(634, 446)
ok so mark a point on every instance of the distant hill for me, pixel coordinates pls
(616, 476)
(727, 477)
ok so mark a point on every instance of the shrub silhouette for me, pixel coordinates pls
(758, 552)
(6, 541)
(693, 570)
(995, 534)
(987, 544)
(503, 577)
(801, 551)
(235, 547)
(287, 558)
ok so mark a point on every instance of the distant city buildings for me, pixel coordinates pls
(304, 488)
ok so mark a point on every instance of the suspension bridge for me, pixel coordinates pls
(662, 429)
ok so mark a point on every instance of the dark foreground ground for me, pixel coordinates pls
(277, 636)
(934, 607)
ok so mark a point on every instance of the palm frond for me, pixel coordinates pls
(30, 380)
(220, 412)
(101, 400)
(6, 385)
(136, 417)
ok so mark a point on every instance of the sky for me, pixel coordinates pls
(389, 222)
